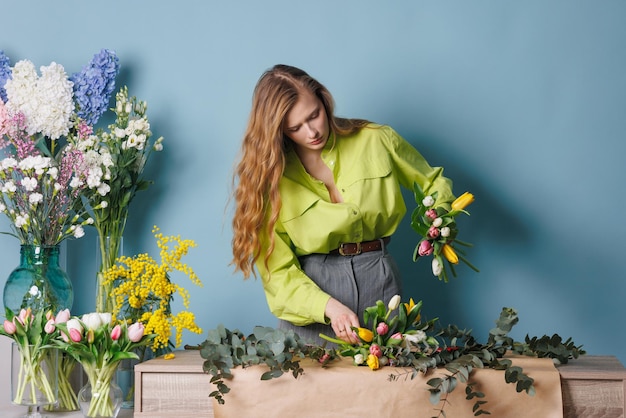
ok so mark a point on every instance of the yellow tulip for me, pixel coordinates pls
(365, 334)
(372, 362)
(449, 254)
(463, 201)
(409, 305)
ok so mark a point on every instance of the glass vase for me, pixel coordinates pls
(33, 377)
(109, 249)
(69, 382)
(101, 397)
(38, 282)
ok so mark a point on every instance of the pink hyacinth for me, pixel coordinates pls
(425, 248)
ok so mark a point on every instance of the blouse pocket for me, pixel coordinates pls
(367, 169)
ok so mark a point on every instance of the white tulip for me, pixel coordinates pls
(92, 320)
(437, 267)
(359, 359)
(394, 302)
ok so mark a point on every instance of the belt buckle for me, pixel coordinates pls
(359, 250)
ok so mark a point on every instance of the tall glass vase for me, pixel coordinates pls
(33, 377)
(38, 282)
(109, 249)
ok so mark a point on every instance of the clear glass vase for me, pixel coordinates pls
(101, 397)
(38, 282)
(33, 377)
(109, 249)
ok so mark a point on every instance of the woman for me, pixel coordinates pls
(317, 200)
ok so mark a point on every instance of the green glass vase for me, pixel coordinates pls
(38, 282)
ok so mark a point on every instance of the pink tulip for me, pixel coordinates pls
(75, 335)
(62, 316)
(49, 327)
(425, 248)
(135, 332)
(116, 332)
(24, 316)
(376, 350)
(49, 315)
(433, 232)
(382, 328)
(431, 213)
(9, 327)
(396, 336)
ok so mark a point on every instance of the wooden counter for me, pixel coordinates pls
(591, 387)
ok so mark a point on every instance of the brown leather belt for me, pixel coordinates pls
(356, 248)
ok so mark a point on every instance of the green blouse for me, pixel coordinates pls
(368, 168)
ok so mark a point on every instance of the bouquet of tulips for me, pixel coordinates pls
(33, 333)
(437, 227)
(99, 344)
(386, 336)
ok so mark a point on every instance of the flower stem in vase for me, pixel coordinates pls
(110, 247)
(101, 397)
(31, 378)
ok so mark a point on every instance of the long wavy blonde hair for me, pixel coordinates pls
(262, 161)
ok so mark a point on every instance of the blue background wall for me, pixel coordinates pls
(524, 103)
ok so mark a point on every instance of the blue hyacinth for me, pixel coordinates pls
(5, 74)
(94, 85)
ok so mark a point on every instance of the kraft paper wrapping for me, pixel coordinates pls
(344, 390)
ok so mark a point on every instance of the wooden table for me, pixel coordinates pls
(591, 387)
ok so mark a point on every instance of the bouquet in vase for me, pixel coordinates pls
(32, 334)
(115, 161)
(99, 344)
(143, 291)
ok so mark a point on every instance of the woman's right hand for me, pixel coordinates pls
(342, 319)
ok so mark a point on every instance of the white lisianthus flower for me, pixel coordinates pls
(53, 172)
(35, 198)
(21, 220)
(437, 267)
(103, 189)
(9, 187)
(359, 359)
(79, 232)
(428, 201)
(119, 132)
(29, 183)
(437, 222)
(445, 232)
(75, 182)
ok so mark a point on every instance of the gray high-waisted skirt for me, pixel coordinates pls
(356, 281)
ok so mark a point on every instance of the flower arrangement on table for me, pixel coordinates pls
(99, 344)
(115, 161)
(143, 291)
(393, 335)
(437, 227)
(33, 333)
